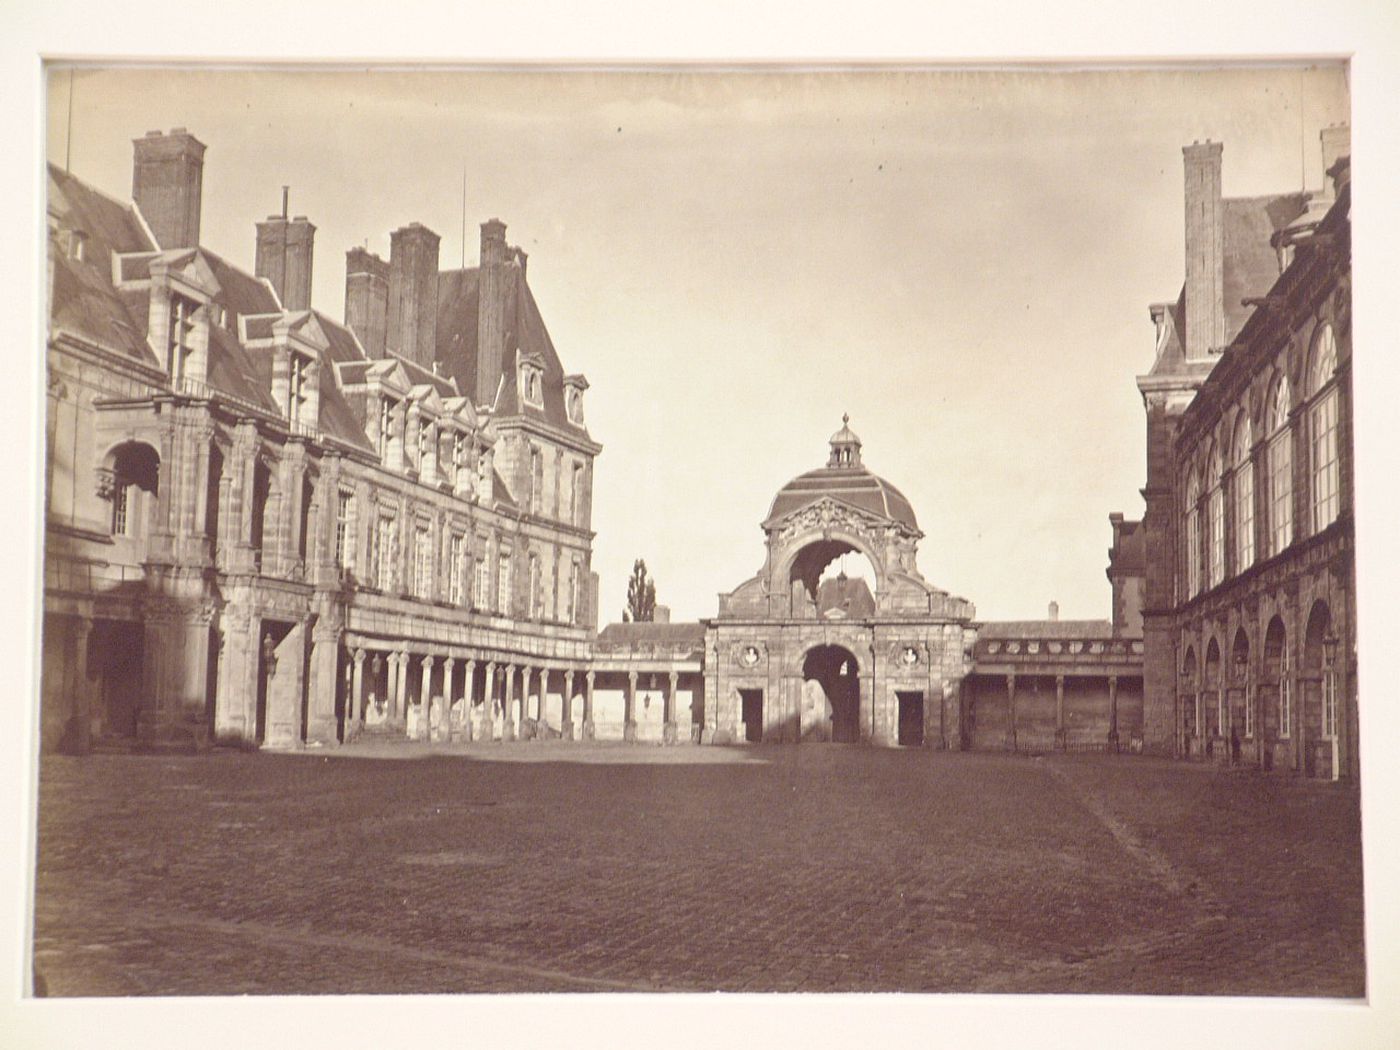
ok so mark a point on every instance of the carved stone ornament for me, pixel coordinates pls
(749, 656)
(909, 656)
(824, 514)
(106, 482)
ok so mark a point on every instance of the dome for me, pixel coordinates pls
(845, 479)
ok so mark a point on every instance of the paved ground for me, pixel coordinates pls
(551, 867)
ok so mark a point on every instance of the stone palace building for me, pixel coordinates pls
(268, 528)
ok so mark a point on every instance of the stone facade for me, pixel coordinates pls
(1249, 600)
(267, 528)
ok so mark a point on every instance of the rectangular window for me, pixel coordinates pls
(178, 337)
(345, 530)
(503, 584)
(573, 593)
(481, 593)
(1193, 552)
(1285, 696)
(386, 426)
(1217, 536)
(536, 481)
(422, 562)
(1248, 712)
(1326, 495)
(296, 389)
(576, 492)
(456, 551)
(1329, 704)
(121, 507)
(384, 552)
(1244, 517)
(1280, 492)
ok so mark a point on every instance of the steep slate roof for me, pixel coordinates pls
(85, 302)
(1045, 629)
(459, 302)
(344, 346)
(854, 485)
(673, 634)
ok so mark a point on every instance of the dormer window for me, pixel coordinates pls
(532, 384)
(575, 402)
(298, 385)
(77, 245)
(179, 337)
(386, 425)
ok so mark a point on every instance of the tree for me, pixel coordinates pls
(641, 596)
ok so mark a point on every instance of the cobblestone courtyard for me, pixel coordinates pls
(547, 867)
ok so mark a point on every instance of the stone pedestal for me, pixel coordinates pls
(629, 732)
(588, 732)
(566, 730)
(668, 733)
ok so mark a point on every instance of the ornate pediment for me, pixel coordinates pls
(825, 515)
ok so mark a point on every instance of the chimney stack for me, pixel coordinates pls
(1205, 252)
(496, 290)
(1054, 612)
(413, 281)
(367, 298)
(284, 256)
(167, 181)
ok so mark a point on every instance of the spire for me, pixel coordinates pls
(845, 446)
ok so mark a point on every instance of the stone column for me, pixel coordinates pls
(566, 708)
(629, 704)
(355, 703)
(542, 712)
(1113, 713)
(588, 705)
(391, 686)
(464, 730)
(508, 704)
(403, 688)
(1011, 712)
(668, 733)
(1059, 712)
(425, 700)
(488, 702)
(325, 679)
(528, 726)
(81, 694)
(444, 730)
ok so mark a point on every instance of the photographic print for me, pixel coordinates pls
(694, 530)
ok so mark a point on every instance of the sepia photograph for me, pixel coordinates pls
(817, 529)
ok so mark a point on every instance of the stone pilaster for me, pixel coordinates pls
(669, 731)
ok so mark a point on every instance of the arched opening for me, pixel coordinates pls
(1320, 676)
(1214, 714)
(1278, 714)
(1242, 711)
(832, 580)
(1190, 697)
(831, 695)
(135, 468)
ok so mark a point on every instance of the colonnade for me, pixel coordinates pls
(445, 698)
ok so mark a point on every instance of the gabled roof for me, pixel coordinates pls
(670, 634)
(845, 596)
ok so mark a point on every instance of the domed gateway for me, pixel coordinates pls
(800, 652)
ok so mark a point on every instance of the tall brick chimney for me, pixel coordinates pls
(496, 287)
(1205, 251)
(284, 257)
(167, 180)
(413, 281)
(367, 298)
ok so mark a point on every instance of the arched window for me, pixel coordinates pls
(536, 592)
(1215, 513)
(1280, 470)
(503, 583)
(1244, 494)
(1322, 426)
(1193, 535)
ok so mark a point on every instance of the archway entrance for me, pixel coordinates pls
(832, 685)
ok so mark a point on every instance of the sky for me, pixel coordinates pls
(960, 259)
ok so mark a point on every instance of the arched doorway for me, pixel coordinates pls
(1318, 713)
(831, 695)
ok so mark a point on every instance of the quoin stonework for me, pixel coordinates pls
(270, 528)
